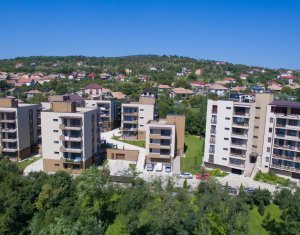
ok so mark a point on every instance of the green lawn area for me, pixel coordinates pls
(22, 165)
(193, 155)
(271, 178)
(139, 143)
(256, 220)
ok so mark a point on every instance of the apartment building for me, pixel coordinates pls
(281, 150)
(108, 111)
(70, 137)
(165, 139)
(234, 133)
(19, 128)
(135, 116)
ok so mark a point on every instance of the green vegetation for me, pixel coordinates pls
(256, 221)
(217, 172)
(138, 143)
(194, 154)
(23, 164)
(91, 203)
(271, 178)
(132, 166)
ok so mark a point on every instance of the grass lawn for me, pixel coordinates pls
(22, 165)
(256, 220)
(193, 155)
(139, 143)
(271, 178)
(132, 166)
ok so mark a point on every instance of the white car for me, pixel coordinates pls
(186, 175)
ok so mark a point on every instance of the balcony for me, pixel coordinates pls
(285, 168)
(158, 155)
(239, 146)
(134, 121)
(212, 151)
(212, 140)
(130, 129)
(9, 140)
(9, 149)
(75, 127)
(241, 166)
(240, 124)
(213, 121)
(238, 156)
(284, 157)
(242, 114)
(8, 120)
(77, 161)
(8, 130)
(70, 138)
(128, 113)
(70, 150)
(159, 136)
(212, 131)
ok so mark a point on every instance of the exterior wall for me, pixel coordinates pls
(179, 122)
(120, 154)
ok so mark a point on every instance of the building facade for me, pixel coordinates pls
(19, 129)
(135, 116)
(70, 137)
(109, 113)
(165, 139)
(281, 150)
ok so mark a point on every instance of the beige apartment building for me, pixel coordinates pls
(281, 150)
(108, 111)
(135, 116)
(235, 133)
(70, 137)
(165, 139)
(19, 129)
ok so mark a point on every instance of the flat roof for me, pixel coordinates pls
(286, 104)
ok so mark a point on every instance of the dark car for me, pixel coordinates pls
(232, 190)
(249, 190)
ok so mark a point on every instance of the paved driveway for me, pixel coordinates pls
(34, 167)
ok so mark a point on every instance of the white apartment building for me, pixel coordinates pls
(165, 139)
(70, 137)
(19, 129)
(234, 135)
(135, 116)
(281, 149)
(109, 113)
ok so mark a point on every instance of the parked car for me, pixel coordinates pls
(159, 166)
(150, 167)
(204, 176)
(186, 175)
(249, 189)
(168, 168)
(232, 190)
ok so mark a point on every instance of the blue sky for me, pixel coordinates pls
(253, 32)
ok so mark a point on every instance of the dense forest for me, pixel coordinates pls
(92, 204)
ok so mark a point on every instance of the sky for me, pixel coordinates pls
(253, 32)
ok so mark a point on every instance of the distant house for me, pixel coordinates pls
(13, 92)
(220, 62)
(258, 89)
(118, 95)
(217, 88)
(287, 77)
(27, 82)
(274, 86)
(81, 75)
(239, 88)
(143, 78)
(128, 71)
(32, 93)
(19, 65)
(244, 76)
(293, 86)
(198, 71)
(3, 76)
(162, 87)
(93, 90)
(153, 69)
(180, 92)
(149, 92)
(121, 77)
(230, 80)
(91, 75)
(105, 76)
(197, 86)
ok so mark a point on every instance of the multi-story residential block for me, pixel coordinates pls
(19, 128)
(70, 137)
(109, 113)
(281, 150)
(165, 139)
(135, 116)
(234, 133)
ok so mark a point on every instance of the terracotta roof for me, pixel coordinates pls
(229, 79)
(197, 83)
(181, 90)
(274, 86)
(33, 92)
(93, 86)
(217, 86)
(294, 85)
(105, 90)
(118, 95)
(25, 80)
(162, 86)
(239, 88)
(287, 77)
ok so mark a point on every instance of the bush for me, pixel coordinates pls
(271, 178)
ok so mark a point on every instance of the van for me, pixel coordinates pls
(159, 166)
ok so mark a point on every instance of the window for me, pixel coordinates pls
(93, 104)
(227, 118)
(256, 127)
(226, 138)
(255, 137)
(55, 120)
(141, 109)
(141, 125)
(227, 129)
(56, 152)
(224, 158)
(254, 146)
(267, 159)
(270, 130)
(228, 107)
(269, 139)
(226, 149)
(271, 120)
(56, 142)
(141, 117)
(268, 149)
(56, 164)
(256, 117)
(257, 107)
(55, 131)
